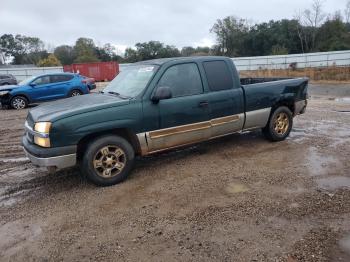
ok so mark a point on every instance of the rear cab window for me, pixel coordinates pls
(218, 75)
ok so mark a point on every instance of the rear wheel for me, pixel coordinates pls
(19, 102)
(279, 125)
(108, 160)
(75, 92)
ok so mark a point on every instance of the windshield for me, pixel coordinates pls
(27, 81)
(131, 81)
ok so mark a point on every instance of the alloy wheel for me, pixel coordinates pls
(109, 161)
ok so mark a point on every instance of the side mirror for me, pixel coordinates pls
(32, 84)
(162, 92)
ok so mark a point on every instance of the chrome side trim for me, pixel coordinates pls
(143, 143)
(257, 118)
(173, 137)
(179, 130)
(59, 162)
(226, 125)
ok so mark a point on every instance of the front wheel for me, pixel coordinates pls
(279, 125)
(108, 160)
(19, 102)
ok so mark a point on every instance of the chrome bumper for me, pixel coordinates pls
(58, 162)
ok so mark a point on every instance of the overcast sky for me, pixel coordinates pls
(126, 22)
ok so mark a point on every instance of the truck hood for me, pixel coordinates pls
(8, 87)
(56, 110)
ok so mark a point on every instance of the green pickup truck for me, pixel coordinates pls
(158, 105)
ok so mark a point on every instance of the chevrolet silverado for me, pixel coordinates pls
(158, 105)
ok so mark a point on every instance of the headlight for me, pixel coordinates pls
(42, 127)
(4, 93)
(42, 139)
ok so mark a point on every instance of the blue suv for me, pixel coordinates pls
(43, 88)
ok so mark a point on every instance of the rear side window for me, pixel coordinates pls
(218, 75)
(60, 78)
(183, 80)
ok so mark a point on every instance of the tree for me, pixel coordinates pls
(333, 35)
(65, 54)
(188, 51)
(231, 33)
(313, 18)
(85, 50)
(347, 12)
(131, 55)
(7, 46)
(150, 50)
(51, 60)
(22, 49)
(107, 53)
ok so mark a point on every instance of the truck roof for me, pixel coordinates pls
(162, 61)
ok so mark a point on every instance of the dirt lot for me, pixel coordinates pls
(240, 198)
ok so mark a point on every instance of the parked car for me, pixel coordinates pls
(158, 105)
(43, 88)
(90, 82)
(7, 79)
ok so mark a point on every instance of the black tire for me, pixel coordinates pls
(75, 92)
(105, 162)
(19, 102)
(279, 125)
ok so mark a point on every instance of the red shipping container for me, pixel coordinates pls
(100, 71)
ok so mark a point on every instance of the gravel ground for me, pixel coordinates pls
(239, 198)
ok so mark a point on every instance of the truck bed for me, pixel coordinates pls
(257, 80)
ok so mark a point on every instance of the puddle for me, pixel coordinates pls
(235, 188)
(344, 244)
(7, 200)
(12, 160)
(318, 164)
(16, 235)
(343, 100)
(333, 182)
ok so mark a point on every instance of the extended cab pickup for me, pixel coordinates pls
(158, 105)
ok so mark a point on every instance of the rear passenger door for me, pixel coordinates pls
(184, 118)
(225, 99)
(60, 86)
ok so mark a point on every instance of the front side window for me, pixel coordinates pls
(183, 80)
(218, 75)
(43, 80)
(131, 81)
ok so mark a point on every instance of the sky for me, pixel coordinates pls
(126, 22)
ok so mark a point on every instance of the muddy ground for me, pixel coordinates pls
(240, 198)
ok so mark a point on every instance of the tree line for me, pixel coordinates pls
(311, 30)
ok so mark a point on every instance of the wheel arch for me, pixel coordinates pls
(125, 133)
(21, 94)
(70, 90)
(287, 102)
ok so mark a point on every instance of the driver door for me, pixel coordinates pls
(40, 90)
(184, 118)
